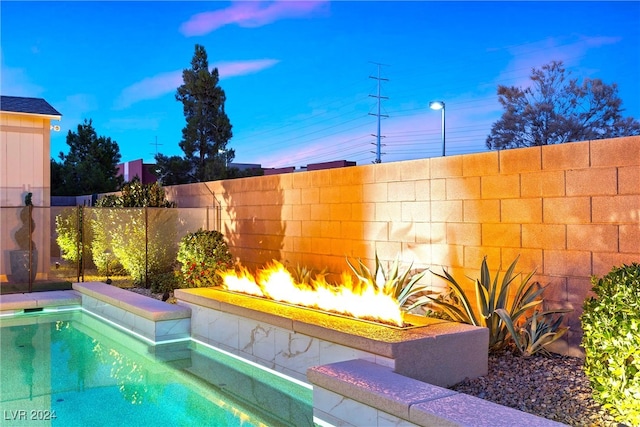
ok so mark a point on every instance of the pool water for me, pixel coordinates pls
(73, 369)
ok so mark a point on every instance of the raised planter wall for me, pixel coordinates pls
(569, 211)
(291, 339)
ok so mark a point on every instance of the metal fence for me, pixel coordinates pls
(47, 248)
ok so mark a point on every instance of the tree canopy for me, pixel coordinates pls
(90, 167)
(208, 129)
(556, 109)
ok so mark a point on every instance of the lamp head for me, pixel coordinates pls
(436, 105)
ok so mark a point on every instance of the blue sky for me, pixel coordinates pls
(297, 74)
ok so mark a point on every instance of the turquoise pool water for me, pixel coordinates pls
(72, 369)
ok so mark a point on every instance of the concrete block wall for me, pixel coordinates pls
(568, 211)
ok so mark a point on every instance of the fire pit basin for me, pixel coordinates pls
(291, 339)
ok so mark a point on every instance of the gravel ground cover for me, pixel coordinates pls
(552, 387)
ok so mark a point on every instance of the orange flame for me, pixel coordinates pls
(363, 300)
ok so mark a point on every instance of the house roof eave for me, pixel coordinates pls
(44, 116)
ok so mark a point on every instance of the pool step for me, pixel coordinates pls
(25, 303)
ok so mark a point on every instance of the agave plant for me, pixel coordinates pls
(538, 331)
(401, 285)
(490, 296)
(304, 275)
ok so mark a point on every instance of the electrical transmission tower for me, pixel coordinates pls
(380, 98)
(156, 144)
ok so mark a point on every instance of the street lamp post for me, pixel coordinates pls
(439, 105)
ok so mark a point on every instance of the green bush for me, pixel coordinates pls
(203, 254)
(100, 244)
(165, 282)
(68, 237)
(138, 230)
(611, 325)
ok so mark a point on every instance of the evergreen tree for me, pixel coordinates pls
(205, 136)
(556, 110)
(173, 170)
(90, 167)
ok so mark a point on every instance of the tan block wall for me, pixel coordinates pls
(569, 211)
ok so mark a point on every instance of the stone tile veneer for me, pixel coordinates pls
(151, 318)
(292, 339)
(359, 393)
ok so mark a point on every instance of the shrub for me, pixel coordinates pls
(165, 282)
(68, 235)
(24, 233)
(100, 244)
(611, 325)
(490, 296)
(202, 255)
(138, 230)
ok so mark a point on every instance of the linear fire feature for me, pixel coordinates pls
(291, 339)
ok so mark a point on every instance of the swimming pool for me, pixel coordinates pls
(71, 368)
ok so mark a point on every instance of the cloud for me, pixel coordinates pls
(14, 82)
(149, 88)
(164, 83)
(74, 109)
(600, 41)
(569, 49)
(247, 14)
(241, 68)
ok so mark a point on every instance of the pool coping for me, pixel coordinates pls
(141, 305)
(17, 303)
(153, 320)
(358, 392)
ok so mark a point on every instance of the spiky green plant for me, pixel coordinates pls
(401, 285)
(539, 331)
(490, 295)
(305, 275)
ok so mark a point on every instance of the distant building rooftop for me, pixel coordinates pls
(20, 104)
(144, 171)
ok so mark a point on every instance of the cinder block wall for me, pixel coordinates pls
(568, 211)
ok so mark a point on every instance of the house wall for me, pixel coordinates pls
(24, 167)
(568, 211)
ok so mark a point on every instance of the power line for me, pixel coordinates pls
(380, 98)
(467, 135)
(156, 144)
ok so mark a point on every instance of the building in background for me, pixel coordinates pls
(136, 168)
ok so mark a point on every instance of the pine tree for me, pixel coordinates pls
(90, 167)
(208, 129)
